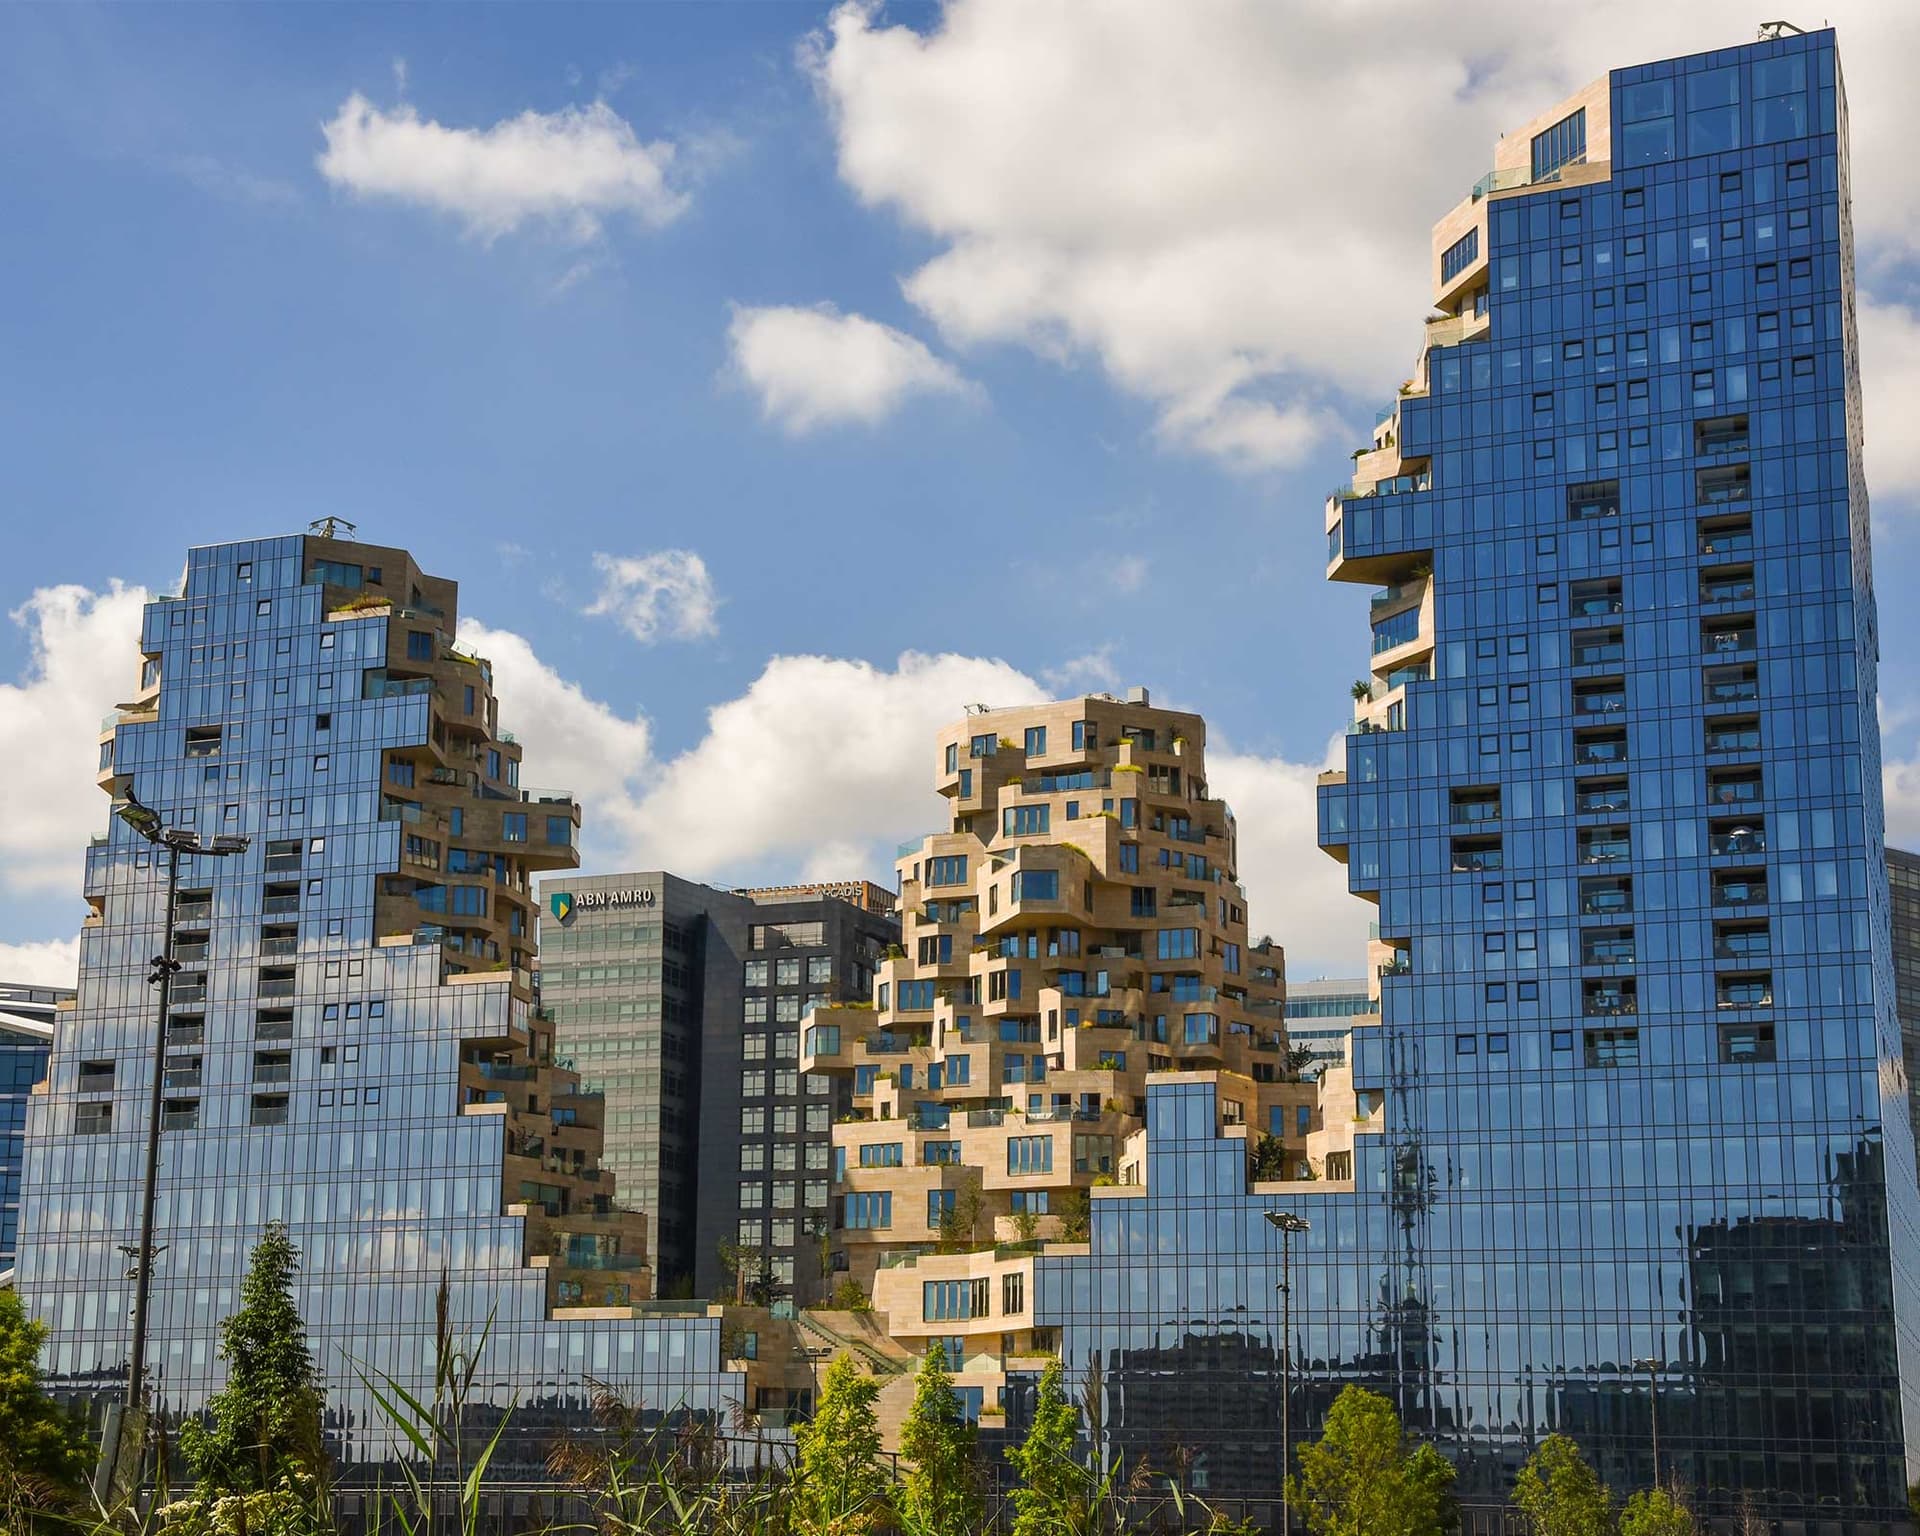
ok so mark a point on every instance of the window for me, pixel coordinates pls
(1612, 1047)
(513, 827)
(941, 1204)
(947, 869)
(1595, 498)
(94, 1119)
(955, 1300)
(1029, 1154)
(884, 1154)
(1025, 820)
(1086, 735)
(1462, 254)
(559, 831)
(1036, 741)
(1036, 885)
(868, 1211)
(1178, 943)
(1565, 143)
(419, 645)
(1013, 1293)
(1130, 858)
(819, 970)
(982, 746)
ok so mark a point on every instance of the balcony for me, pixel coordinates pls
(1734, 586)
(1596, 648)
(1600, 700)
(1728, 640)
(1603, 796)
(1605, 849)
(1605, 1000)
(1744, 992)
(1733, 736)
(1740, 890)
(1737, 842)
(1602, 948)
(1594, 598)
(1605, 898)
(1731, 685)
(1609, 749)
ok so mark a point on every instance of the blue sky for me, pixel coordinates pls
(1134, 294)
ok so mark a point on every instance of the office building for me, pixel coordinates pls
(27, 1018)
(1642, 1153)
(682, 1004)
(1075, 931)
(1903, 879)
(352, 1045)
(1321, 1015)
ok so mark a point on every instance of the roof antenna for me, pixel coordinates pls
(1769, 30)
(327, 527)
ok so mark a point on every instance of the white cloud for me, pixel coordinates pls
(667, 594)
(818, 750)
(814, 368)
(1091, 671)
(1228, 204)
(46, 963)
(84, 660)
(569, 168)
(824, 765)
(1890, 386)
(572, 741)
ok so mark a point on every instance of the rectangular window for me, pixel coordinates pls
(1462, 254)
(513, 827)
(1029, 1154)
(947, 869)
(869, 1210)
(559, 831)
(1178, 943)
(1613, 1047)
(1036, 741)
(419, 645)
(1565, 143)
(1086, 735)
(1025, 820)
(1013, 1293)
(1036, 885)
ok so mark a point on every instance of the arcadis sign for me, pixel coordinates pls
(565, 903)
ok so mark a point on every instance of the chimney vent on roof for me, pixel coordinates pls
(1138, 696)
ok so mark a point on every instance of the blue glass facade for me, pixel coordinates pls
(351, 1047)
(26, 1040)
(1643, 1145)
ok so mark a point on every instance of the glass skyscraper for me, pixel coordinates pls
(1643, 1156)
(26, 1040)
(352, 1045)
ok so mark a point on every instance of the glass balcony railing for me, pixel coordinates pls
(1740, 841)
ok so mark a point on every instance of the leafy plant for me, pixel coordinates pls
(1268, 1160)
(45, 1453)
(1362, 1478)
(1655, 1512)
(262, 1430)
(842, 1487)
(941, 1494)
(1053, 1492)
(1560, 1494)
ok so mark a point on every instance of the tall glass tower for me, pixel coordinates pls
(1642, 1169)
(352, 1044)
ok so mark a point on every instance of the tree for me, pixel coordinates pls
(1053, 1492)
(1269, 1159)
(1560, 1494)
(45, 1453)
(842, 1486)
(941, 1495)
(1361, 1476)
(1655, 1512)
(262, 1429)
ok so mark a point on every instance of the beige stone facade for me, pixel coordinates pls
(1075, 929)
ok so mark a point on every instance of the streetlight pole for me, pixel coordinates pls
(1286, 1223)
(1652, 1367)
(176, 841)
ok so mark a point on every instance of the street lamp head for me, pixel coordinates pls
(143, 820)
(1286, 1221)
(225, 845)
